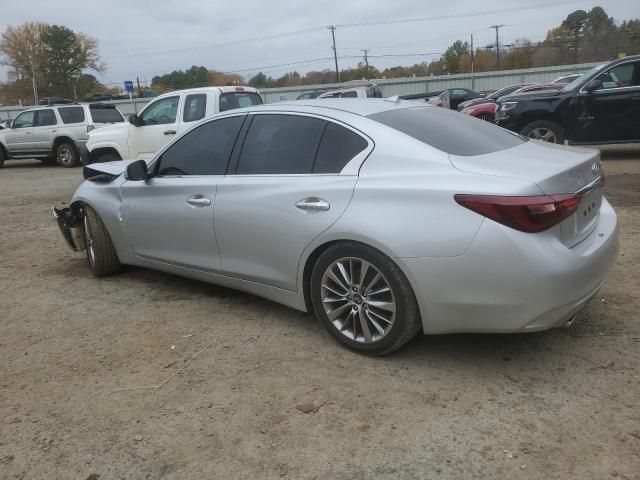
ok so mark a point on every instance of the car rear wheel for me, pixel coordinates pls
(364, 299)
(544, 130)
(101, 255)
(2, 158)
(67, 155)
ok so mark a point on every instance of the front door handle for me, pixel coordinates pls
(169, 132)
(199, 201)
(313, 204)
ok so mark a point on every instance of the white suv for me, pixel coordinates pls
(54, 134)
(371, 91)
(163, 118)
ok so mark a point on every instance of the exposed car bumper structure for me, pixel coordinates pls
(512, 281)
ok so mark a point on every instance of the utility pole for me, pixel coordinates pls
(472, 53)
(366, 61)
(335, 51)
(497, 27)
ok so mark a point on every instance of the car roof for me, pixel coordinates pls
(362, 107)
(221, 89)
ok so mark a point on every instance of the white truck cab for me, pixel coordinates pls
(369, 91)
(163, 118)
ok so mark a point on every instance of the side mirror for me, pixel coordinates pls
(137, 171)
(135, 121)
(595, 84)
(7, 124)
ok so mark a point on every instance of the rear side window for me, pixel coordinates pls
(71, 114)
(195, 107)
(351, 94)
(45, 118)
(337, 147)
(205, 150)
(105, 114)
(231, 100)
(449, 131)
(280, 144)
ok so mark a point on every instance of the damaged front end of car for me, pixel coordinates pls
(70, 223)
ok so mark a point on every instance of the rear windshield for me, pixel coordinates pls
(452, 132)
(231, 100)
(71, 114)
(105, 114)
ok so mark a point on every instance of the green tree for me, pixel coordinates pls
(454, 54)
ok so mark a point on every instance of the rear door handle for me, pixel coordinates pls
(313, 204)
(199, 201)
(169, 132)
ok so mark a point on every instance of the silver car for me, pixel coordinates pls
(383, 217)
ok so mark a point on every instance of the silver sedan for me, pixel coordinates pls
(381, 216)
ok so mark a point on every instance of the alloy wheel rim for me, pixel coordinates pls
(544, 134)
(358, 300)
(65, 155)
(89, 240)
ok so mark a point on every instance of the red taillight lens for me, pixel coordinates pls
(527, 214)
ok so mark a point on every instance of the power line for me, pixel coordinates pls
(457, 15)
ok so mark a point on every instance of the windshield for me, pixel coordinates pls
(578, 81)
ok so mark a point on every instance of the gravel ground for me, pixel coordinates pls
(147, 375)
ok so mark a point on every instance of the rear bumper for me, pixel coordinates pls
(510, 281)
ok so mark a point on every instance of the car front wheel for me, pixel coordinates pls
(544, 130)
(364, 299)
(101, 255)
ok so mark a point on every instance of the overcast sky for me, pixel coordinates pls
(146, 38)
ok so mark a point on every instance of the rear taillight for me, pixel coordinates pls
(89, 128)
(527, 214)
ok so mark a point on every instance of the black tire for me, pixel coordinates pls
(67, 155)
(407, 315)
(535, 131)
(107, 157)
(101, 255)
(2, 158)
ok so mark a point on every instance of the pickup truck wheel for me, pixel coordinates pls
(67, 155)
(544, 130)
(107, 157)
(101, 255)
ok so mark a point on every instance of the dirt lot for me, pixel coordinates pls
(559, 404)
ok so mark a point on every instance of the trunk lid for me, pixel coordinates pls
(556, 170)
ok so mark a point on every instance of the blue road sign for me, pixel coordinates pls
(128, 86)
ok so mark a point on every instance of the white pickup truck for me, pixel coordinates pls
(161, 119)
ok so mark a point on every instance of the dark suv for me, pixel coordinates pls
(600, 106)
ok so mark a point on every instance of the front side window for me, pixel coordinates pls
(205, 150)
(161, 112)
(280, 144)
(71, 114)
(24, 120)
(195, 106)
(45, 118)
(231, 100)
(625, 75)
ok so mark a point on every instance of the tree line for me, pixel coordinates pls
(56, 61)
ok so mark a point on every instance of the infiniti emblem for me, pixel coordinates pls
(596, 169)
